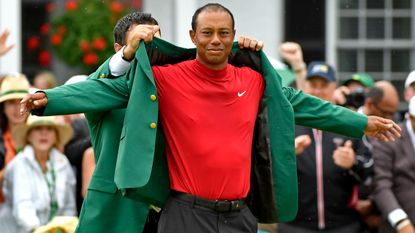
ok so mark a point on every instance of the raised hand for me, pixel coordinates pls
(344, 156)
(3, 47)
(245, 42)
(136, 34)
(301, 143)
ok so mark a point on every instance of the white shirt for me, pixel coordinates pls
(118, 66)
(27, 194)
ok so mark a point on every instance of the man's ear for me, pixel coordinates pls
(117, 47)
(192, 36)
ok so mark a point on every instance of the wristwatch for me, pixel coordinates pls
(123, 56)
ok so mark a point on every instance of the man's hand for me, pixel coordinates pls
(339, 96)
(344, 156)
(382, 129)
(291, 52)
(245, 42)
(407, 229)
(135, 34)
(3, 47)
(33, 101)
(301, 143)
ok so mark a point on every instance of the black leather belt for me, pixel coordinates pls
(218, 206)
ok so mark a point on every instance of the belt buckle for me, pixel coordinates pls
(223, 206)
(235, 205)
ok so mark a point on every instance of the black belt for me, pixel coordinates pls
(218, 206)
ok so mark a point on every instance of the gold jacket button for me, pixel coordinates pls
(153, 97)
(153, 125)
(102, 76)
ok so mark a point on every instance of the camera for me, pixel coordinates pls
(356, 98)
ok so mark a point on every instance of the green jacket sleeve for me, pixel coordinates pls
(313, 112)
(98, 93)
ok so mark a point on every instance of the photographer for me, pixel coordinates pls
(352, 93)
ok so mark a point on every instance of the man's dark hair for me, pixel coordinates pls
(211, 7)
(375, 94)
(124, 24)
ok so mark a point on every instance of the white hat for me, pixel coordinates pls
(14, 86)
(410, 79)
(64, 132)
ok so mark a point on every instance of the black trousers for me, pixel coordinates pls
(180, 216)
(151, 221)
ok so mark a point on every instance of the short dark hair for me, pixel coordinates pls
(211, 7)
(123, 24)
(375, 94)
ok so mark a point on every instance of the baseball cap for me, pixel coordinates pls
(321, 69)
(363, 78)
(411, 107)
(410, 79)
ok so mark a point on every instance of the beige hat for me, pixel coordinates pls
(20, 132)
(14, 87)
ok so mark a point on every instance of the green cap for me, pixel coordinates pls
(363, 78)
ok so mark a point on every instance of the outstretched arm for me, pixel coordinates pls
(313, 112)
(88, 96)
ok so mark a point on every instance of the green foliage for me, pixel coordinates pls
(83, 34)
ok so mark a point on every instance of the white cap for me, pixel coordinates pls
(76, 78)
(411, 107)
(410, 79)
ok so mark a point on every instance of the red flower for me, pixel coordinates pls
(84, 45)
(44, 29)
(56, 39)
(137, 4)
(71, 5)
(62, 29)
(50, 7)
(99, 43)
(44, 58)
(116, 7)
(33, 43)
(90, 59)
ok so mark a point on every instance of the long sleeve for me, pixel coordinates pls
(88, 96)
(313, 112)
(24, 210)
(384, 196)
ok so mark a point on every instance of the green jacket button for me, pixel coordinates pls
(102, 76)
(153, 125)
(153, 97)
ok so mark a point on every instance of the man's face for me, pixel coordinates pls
(320, 87)
(213, 38)
(385, 108)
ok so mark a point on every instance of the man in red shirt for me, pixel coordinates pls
(205, 104)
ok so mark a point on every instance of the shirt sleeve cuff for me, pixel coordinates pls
(118, 66)
(396, 215)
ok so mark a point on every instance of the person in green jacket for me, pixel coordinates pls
(104, 208)
(141, 140)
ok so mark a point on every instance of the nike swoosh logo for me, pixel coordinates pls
(241, 94)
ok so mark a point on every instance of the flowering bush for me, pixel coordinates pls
(82, 35)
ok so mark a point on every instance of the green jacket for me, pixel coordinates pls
(141, 169)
